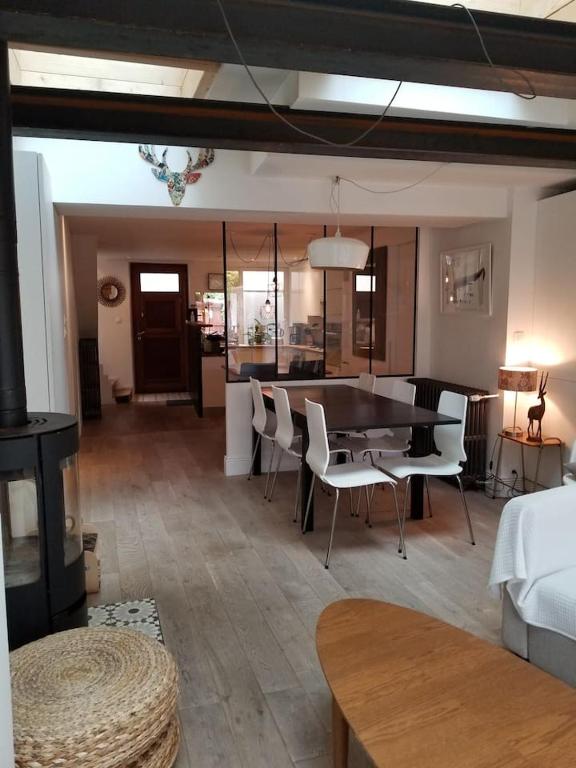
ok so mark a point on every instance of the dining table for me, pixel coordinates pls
(350, 409)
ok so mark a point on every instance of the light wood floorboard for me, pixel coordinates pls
(239, 589)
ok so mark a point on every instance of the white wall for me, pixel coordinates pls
(42, 286)
(31, 281)
(71, 319)
(115, 323)
(114, 175)
(84, 253)
(469, 348)
(553, 341)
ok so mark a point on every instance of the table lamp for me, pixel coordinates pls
(512, 378)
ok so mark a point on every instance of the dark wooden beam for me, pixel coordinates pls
(393, 39)
(229, 125)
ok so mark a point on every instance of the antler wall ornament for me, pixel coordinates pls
(176, 180)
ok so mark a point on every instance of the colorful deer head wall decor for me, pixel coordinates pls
(177, 181)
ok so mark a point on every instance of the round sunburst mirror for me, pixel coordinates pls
(111, 291)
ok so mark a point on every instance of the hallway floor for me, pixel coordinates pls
(239, 589)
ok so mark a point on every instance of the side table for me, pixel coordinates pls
(523, 442)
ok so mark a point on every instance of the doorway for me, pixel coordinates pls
(159, 302)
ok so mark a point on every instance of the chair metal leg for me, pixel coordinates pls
(258, 440)
(463, 497)
(402, 545)
(428, 495)
(270, 467)
(327, 562)
(296, 505)
(305, 526)
(280, 457)
(369, 498)
(351, 502)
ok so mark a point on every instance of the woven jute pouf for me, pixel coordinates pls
(163, 753)
(96, 698)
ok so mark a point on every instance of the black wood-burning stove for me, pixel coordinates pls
(41, 527)
(39, 503)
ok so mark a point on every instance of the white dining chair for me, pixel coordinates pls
(288, 443)
(449, 441)
(339, 476)
(366, 381)
(386, 441)
(263, 426)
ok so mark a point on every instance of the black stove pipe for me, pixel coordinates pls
(12, 386)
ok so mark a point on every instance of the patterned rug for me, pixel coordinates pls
(135, 614)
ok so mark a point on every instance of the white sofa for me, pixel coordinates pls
(534, 568)
(569, 477)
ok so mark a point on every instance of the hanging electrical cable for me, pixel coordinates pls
(249, 260)
(323, 140)
(527, 96)
(398, 189)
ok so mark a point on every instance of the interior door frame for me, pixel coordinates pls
(135, 268)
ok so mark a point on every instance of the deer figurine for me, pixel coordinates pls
(176, 180)
(536, 412)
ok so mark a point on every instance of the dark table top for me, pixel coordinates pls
(349, 409)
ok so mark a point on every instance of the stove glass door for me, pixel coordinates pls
(19, 519)
(73, 520)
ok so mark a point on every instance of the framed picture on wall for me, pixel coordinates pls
(466, 280)
(215, 281)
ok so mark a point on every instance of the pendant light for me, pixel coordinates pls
(338, 252)
(266, 310)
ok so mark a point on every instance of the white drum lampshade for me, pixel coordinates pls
(338, 253)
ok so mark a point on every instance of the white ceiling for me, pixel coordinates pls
(564, 10)
(156, 239)
(93, 73)
(393, 173)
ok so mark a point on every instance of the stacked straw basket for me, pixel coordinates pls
(95, 698)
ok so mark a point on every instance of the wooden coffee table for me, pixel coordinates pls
(419, 693)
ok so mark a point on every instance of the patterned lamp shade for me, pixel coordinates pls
(518, 379)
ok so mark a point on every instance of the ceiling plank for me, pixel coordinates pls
(389, 39)
(225, 125)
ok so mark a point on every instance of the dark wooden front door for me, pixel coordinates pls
(159, 303)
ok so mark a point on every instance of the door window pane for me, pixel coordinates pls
(159, 282)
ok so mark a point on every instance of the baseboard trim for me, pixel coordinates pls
(236, 465)
(239, 465)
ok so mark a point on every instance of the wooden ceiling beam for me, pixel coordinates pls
(228, 125)
(388, 39)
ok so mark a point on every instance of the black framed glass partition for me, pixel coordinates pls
(348, 314)
(286, 320)
(301, 353)
(251, 300)
(393, 258)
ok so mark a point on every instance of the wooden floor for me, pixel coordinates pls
(239, 589)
